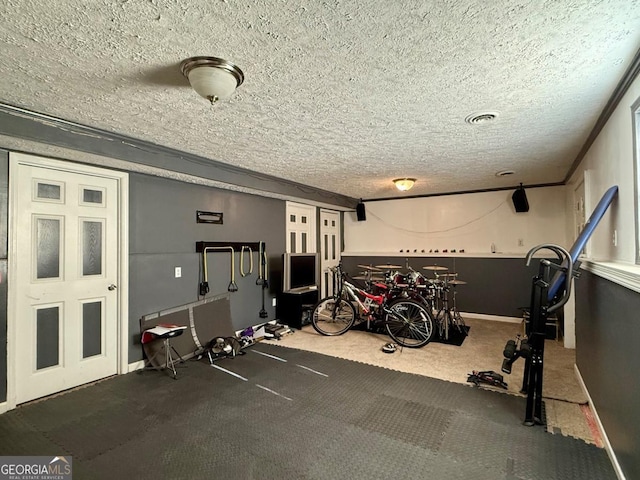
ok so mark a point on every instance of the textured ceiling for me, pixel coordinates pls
(339, 95)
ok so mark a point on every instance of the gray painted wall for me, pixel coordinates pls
(163, 235)
(495, 286)
(607, 354)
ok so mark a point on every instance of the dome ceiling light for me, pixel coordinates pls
(212, 78)
(404, 184)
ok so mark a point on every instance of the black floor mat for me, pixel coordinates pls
(284, 413)
(456, 337)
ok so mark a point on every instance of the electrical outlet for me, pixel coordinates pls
(615, 238)
(520, 242)
(273, 302)
(178, 272)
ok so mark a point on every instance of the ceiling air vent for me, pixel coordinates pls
(481, 118)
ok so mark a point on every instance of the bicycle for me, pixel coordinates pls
(406, 321)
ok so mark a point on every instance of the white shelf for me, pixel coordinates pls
(443, 255)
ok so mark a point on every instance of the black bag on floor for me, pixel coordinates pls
(223, 347)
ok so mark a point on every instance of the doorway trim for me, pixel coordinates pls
(122, 179)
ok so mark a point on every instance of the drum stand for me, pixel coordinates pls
(169, 361)
(167, 348)
(458, 321)
(443, 318)
(448, 317)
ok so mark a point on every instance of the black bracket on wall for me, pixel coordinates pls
(209, 217)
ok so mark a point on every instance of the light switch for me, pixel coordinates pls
(178, 272)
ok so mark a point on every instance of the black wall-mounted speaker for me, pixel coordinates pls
(360, 212)
(520, 202)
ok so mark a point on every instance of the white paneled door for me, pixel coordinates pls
(329, 248)
(301, 221)
(64, 286)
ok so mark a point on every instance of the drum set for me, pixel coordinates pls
(438, 293)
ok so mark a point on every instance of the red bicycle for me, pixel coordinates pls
(406, 321)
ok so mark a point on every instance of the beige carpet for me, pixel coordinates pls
(481, 350)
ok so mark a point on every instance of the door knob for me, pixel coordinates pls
(112, 287)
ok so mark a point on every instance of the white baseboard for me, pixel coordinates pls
(605, 439)
(494, 318)
(4, 407)
(132, 367)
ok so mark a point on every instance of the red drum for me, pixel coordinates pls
(418, 280)
(399, 279)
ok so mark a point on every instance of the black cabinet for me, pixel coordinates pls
(293, 308)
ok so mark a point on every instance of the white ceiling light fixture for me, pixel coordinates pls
(404, 184)
(212, 78)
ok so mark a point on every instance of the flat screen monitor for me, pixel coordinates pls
(300, 271)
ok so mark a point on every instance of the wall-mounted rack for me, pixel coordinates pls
(237, 246)
(233, 248)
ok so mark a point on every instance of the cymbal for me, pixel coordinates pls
(367, 277)
(435, 267)
(388, 266)
(369, 267)
(448, 275)
(457, 282)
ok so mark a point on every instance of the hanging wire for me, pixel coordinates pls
(439, 231)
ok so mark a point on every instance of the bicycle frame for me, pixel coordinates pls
(369, 298)
(370, 304)
(406, 321)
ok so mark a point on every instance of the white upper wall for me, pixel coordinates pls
(474, 221)
(609, 162)
(471, 222)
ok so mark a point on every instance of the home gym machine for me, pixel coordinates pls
(547, 296)
(531, 347)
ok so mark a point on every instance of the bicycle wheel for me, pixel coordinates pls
(408, 323)
(333, 316)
